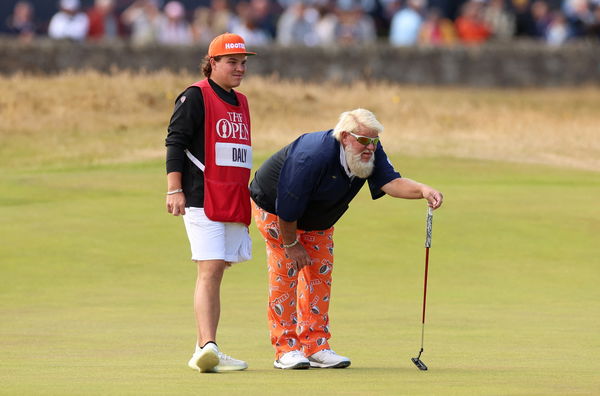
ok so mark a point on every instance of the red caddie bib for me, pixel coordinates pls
(228, 157)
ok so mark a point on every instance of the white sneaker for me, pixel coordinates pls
(292, 360)
(205, 359)
(227, 363)
(328, 359)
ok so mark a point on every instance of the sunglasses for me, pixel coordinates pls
(365, 140)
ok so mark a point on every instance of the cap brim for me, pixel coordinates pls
(237, 53)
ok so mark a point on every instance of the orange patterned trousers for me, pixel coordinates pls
(298, 300)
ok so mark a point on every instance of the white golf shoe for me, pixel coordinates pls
(227, 363)
(328, 359)
(205, 359)
(210, 360)
(292, 360)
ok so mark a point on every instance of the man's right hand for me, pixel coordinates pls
(176, 204)
(176, 201)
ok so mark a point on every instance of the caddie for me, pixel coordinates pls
(209, 157)
(298, 195)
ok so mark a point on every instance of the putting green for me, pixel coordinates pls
(96, 285)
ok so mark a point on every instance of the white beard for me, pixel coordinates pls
(357, 166)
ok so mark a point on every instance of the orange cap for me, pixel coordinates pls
(228, 44)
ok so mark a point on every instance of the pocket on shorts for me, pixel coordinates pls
(245, 253)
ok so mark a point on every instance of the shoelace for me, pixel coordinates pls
(328, 351)
(296, 354)
(226, 357)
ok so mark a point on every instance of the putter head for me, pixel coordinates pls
(420, 365)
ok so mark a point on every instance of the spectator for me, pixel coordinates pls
(212, 21)
(449, 8)
(326, 23)
(470, 25)
(246, 25)
(569, 7)
(437, 30)
(264, 16)
(222, 16)
(376, 11)
(298, 26)
(21, 22)
(558, 29)
(406, 24)
(595, 27)
(285, 4)
(389, 8)
(354, 27)
(144, 18)
(104, 23)
(580, 18)
(202, 31)
(524, 22)
(69, 23)
(174, 29)
(500, 20)
(540, 12)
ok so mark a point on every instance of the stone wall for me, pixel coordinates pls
(518, 64)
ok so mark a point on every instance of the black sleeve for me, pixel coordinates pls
(186, 121)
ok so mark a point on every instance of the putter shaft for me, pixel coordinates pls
(417, 361)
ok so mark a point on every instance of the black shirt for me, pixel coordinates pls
(186, 131)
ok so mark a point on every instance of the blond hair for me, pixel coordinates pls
(351, 121)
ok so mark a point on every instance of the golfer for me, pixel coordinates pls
(298, 194)
(209, 157)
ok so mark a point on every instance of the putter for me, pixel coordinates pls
(417, 360)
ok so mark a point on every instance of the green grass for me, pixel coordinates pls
(96, 286)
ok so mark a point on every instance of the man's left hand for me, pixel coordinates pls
(299, 256)
(434, 197)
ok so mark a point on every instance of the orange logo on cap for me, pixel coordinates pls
(228, 44)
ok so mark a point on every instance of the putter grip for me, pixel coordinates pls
(428, 228)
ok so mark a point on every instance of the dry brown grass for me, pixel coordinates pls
(94, 118)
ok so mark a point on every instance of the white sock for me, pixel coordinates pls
(198, 349)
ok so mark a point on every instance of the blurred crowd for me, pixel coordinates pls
(313, 22)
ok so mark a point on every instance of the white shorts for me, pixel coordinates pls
(214, 240)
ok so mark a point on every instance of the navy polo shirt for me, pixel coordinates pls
(306, 182)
